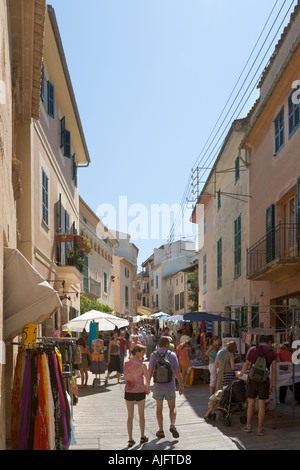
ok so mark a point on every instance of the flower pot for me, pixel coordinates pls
(65, 238)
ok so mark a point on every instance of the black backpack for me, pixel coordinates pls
(162, 369)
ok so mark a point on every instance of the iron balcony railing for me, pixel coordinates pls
(278, 244)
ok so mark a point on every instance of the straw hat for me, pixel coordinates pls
(184, 338)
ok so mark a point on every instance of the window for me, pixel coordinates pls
(126, 272)
(294, 112)
(176, 302)
(219, 199)
(126, 296)
(105, 283)
(156, 282)
(204, 223)
(290, 225)
(45, 195)
(237, 246)
(50, 99)
(182, 300)
(237, 168)
(279, 131)
(204, 274)
(219, 263)
(65, 138)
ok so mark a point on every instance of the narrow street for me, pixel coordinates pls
(100, 423)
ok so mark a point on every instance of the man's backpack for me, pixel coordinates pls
(162, 372)
(259, 371)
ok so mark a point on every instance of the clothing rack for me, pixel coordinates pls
(28, 425)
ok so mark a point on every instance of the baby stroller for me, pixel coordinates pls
(228, 401)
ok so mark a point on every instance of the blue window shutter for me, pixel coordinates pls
(50, 99)
(67, 144)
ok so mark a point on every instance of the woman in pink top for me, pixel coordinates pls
(136, 389)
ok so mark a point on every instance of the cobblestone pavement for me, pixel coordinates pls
(100, 423)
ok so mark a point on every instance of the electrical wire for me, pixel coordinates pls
(187, 191)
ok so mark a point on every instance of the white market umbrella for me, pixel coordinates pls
(105, 321)
(159, 315)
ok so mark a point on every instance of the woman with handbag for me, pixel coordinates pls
(85, 361)
(114, 362)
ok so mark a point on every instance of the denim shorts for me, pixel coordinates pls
(160, 395)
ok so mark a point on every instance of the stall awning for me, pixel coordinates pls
(28, 297)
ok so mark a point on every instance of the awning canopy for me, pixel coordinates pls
(28, 297)
(198, 316)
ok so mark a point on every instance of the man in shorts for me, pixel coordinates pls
(260, 390)
(166, 391)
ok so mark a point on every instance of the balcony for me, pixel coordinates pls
(276, 256)
(70, 262)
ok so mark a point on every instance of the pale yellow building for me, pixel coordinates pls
(125, 276)
(98, 273)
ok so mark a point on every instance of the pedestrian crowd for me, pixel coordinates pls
(169, 358)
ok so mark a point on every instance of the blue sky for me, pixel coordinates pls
(151, 78)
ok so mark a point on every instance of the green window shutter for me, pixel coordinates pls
(45, 196)
(279, 131)
(86, 274)
(126, 296)
(204, 274)
(50, 90)
(219, 263)
(237, 168)
(237, 246)
(105, 283)
(219, 199)
(270, 226)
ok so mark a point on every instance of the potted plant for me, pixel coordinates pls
(64, 237)
(84, 244)
(77, 256)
